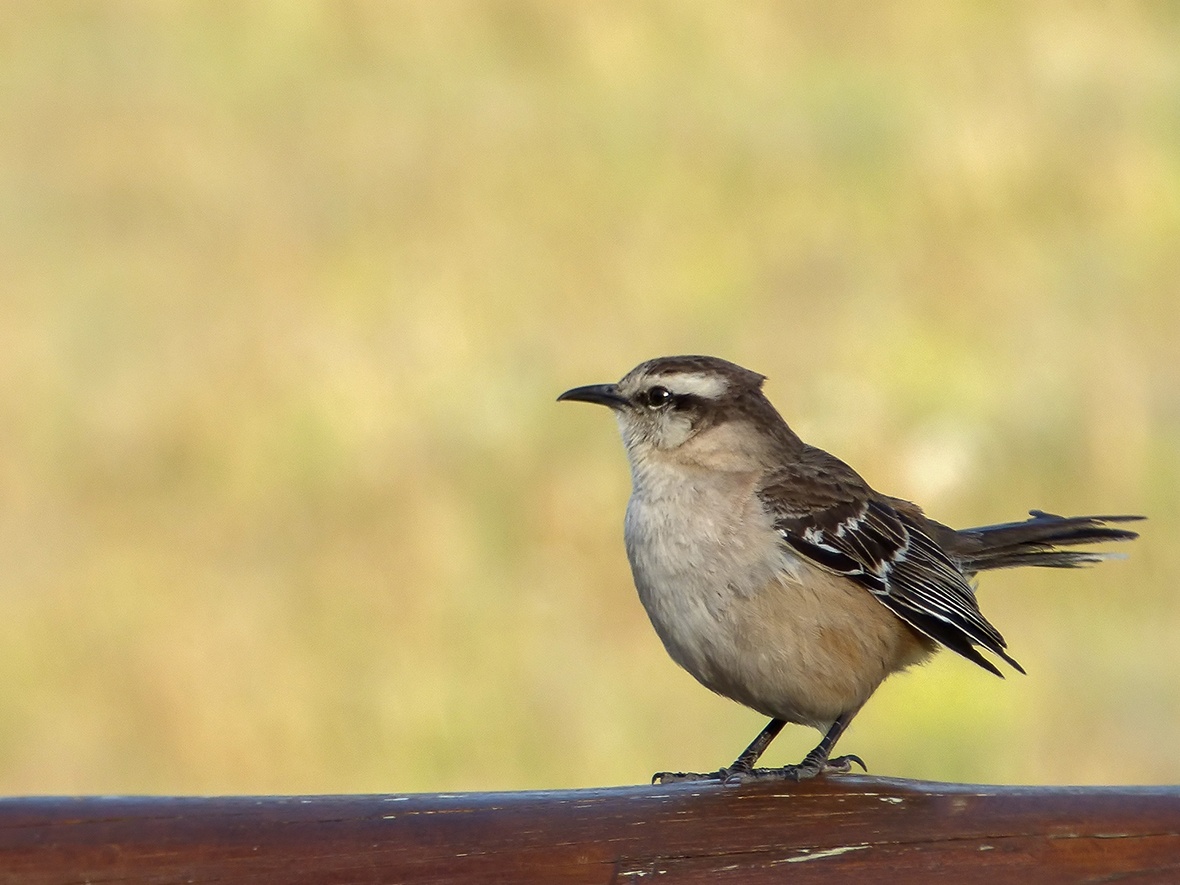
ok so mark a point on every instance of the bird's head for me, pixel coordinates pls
(693, 410)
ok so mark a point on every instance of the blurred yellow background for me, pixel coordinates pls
(287, 292)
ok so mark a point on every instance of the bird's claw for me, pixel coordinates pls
(843, 764)
(687, 777)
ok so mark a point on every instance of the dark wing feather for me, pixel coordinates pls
(845, 528)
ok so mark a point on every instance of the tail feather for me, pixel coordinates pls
(1038, 541)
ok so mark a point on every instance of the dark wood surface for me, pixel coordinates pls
(850, 828)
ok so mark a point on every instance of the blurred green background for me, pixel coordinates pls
(287, 292)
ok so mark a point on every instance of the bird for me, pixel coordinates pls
(778, 577)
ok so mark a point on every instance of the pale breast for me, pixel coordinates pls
(694, 548)
(749, 619)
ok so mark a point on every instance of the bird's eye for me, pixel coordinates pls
(658, 397)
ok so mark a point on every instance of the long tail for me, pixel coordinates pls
(1038, 541)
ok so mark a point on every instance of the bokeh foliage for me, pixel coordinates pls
(288, 291)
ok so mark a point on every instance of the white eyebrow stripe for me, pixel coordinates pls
(699, 384)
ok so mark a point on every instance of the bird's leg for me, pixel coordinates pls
(819, 760)
(742, 767)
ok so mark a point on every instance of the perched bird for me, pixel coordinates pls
(776, 576)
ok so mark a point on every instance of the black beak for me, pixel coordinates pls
(603, 394)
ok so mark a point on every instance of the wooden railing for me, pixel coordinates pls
(851, 828)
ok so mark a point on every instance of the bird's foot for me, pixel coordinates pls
(687, 777)
(839, 765)
(805, 770)
(737, 774)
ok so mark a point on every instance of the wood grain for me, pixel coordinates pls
(877, 830)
